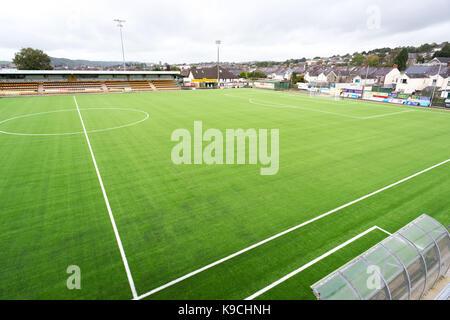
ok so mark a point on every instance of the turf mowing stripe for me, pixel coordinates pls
(193, 273)
(309, 264)
(116, 232)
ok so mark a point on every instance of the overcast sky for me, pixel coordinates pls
(185, 31)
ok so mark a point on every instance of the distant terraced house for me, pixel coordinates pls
(424, 77)
(380, 76)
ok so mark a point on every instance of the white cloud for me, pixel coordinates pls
(185, 31)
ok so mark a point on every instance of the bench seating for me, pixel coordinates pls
(118, 86)
(165, 85)
(140, 85)
(69, 87)
(72, 86)
(18, 88)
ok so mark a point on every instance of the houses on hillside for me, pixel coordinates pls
(322, 75)
(423, 77)
(440, 61)
(415, 78)
(381, 76)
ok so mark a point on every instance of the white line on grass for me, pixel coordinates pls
(116, 232)
(74, 133)
(366, 103)
(276, 105)
(388, 114)
(193, 273)
(309, 264)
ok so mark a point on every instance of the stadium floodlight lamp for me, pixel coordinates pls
(120, 25)
(218, 42)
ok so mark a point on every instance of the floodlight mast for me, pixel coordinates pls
(120, 25)
(218, 42)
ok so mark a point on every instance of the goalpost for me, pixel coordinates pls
(313, 90)
(337, 94)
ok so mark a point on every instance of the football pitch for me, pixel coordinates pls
(88, 181)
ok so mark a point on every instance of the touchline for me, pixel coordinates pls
(235, 142)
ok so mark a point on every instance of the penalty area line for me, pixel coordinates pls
(193, 273)
(309, 264)
(108, 207)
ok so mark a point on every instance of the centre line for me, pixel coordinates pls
(116, 232)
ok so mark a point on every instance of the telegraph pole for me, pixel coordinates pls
(434, 87)
(365, 82)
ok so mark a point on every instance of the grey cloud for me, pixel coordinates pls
(184, 31)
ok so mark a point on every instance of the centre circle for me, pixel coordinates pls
(145, 116)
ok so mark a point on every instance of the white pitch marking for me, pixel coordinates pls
(309, 264)
(333, 113)
(193, 273)
(116, 232)
(273, 105)
(388, 114)
(366, 103)
(73, 133)
(381, 229)
(276, 105)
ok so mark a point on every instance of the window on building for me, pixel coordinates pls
(404, 81)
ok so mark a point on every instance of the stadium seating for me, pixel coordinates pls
(68, 87)
(140, 85)
(164, 85)
(118, 86)
(58, 87)
(18, 88)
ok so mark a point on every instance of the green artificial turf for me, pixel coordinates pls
(173, 219)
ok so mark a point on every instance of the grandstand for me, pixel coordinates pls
(27, 82)
(21, 88)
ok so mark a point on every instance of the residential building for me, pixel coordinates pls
(440, 61)
(207, 77)
(419, 77)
